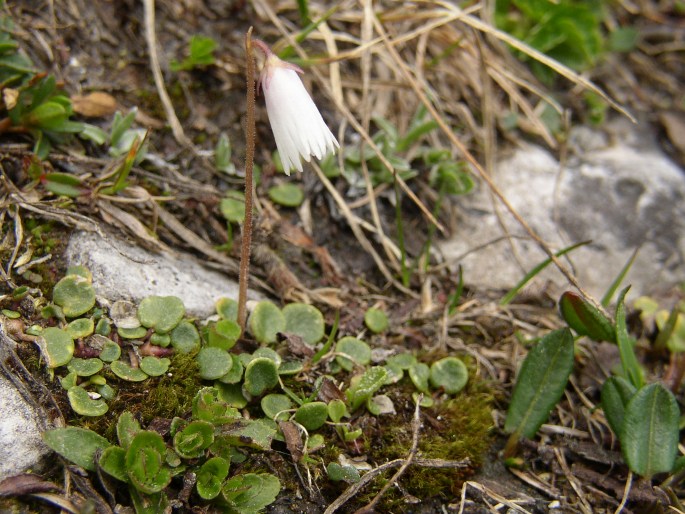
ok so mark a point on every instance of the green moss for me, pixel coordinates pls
(458, 429)
(163, 397)
(173, 394)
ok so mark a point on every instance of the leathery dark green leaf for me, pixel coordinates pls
(540, 383)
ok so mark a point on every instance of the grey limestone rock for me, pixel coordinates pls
(621, 192)
(21, 446)
(123, 271)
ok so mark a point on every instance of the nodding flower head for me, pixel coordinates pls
(297, 124)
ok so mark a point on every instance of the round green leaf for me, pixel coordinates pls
(126, 372)
(69, 381)
(266, 321)
(74, 294)
(113, 462)
(223, 334)
(357, 352)
(227, 308)
(450, 374)
(132, 333)
(273, 404)
(305, 321)
(286, 194)
(213, 363)
(154, 366)
(336, 410)
(312, 415)
(194, 439)
(268, 353)
(103, 327)
(233, 207)
(376, 320)
(81, 327)
(146, 463)
(250, 492)
(348, 474)
(162, 340)
(110, 352)
(261, 374)
(419, 374)
(59, 346)
(185, 337)
(403, 361)
(290, 368)
(162, 313)
(235, 374)
(211, 476)
(84, 367)
(107, 392)
(83, 404)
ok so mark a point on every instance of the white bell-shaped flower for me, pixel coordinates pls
(296, 122)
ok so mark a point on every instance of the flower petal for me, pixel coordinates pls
(299, 129)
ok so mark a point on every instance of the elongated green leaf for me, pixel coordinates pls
(616, 393)
(541, 382)
(78, 445)
(606, 299)
(626, 350)
(585, 319)
(649, 437)
(537, 269)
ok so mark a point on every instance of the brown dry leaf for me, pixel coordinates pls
(296, 344)
(94, 105)
(329, 391)
(25, 484)
(292, 439)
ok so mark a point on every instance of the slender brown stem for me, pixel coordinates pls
(246, 242)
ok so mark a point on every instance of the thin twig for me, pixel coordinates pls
(415, 429)
(151, 39)
(370, 475)
(246, 242)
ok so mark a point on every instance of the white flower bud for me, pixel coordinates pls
(297, 124)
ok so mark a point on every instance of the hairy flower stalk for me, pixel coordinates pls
(297, 124)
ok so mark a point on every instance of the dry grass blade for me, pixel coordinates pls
(559, 68)
(477, 166)
(151, 39)
(358, 232)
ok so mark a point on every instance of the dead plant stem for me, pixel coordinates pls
(246, 241)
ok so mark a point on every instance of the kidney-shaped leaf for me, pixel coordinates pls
(540, 383)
